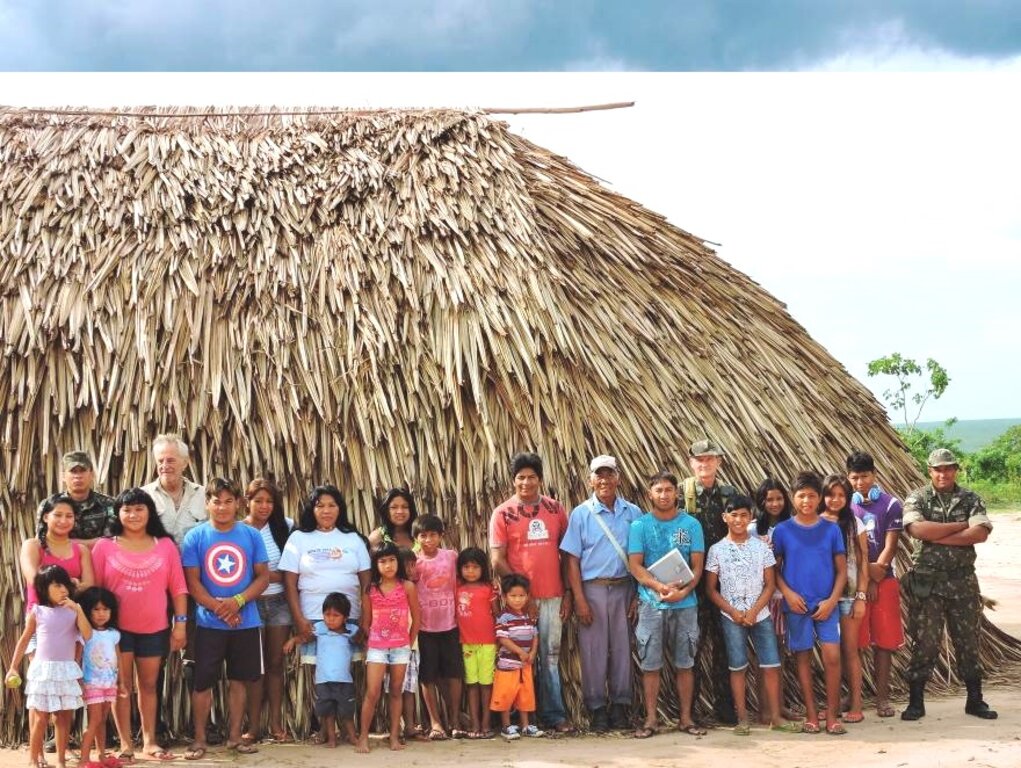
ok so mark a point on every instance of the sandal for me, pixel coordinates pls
(195, 752)
(853, 717)
(810, 726)
(241, 747)
(437, 734)
(743, 728)
(487, 734)
(883, 709)
(159, 754)
(280, 737)
(126, 755)
(457, 733)
(790, 726)
(644, 732)
(692, 729)
(836, 728)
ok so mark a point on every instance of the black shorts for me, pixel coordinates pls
(336, 699)
(439, 656)
(146, 645)
(240, 648)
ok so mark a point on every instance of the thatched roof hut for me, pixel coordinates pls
(377, 298)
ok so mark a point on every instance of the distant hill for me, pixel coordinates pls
(974, 433)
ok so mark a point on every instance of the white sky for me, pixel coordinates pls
(884, 209)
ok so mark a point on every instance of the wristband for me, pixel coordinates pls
(859, 595)
(240, 600)
(182, 619)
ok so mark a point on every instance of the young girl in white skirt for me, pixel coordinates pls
(52, 685)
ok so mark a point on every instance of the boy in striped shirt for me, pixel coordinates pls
(516, 636)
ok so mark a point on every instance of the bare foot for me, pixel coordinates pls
(396, 743)
(362, 746)
(330, 743)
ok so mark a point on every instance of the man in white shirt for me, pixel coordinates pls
(180, 502)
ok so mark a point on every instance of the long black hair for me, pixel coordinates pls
(477, 556)
(277, 522)
(384, 511)
(94, 596)
(153, 526)
(51, 574)
(845, 518)
(307, 522)
(764, 520)
(386, 550)
(48, 506)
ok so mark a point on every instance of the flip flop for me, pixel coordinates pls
(836, 728)
(437, 734)
(742, 729)
(161, 755)
(241, 748)
(810, 727)
(195, 752)
(644, 732)
(282, 737)
(791, 726)
(487, 734)
(692, 729)
(127, 755)
(457, 733)
(853, 717)
(883, 709)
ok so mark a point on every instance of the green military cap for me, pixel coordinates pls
(942, 457)
(76, 460)
(705, 448)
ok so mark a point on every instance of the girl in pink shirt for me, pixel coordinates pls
(390, 616)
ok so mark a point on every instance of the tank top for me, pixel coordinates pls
(390, 617)
(73, 566)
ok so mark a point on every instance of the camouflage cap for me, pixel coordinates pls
(76, 460)
(705, 448)
(942, 457)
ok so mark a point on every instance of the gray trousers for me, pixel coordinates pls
(605, 645)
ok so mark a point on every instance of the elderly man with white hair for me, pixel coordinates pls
(180, 502)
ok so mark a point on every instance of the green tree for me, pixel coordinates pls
(907, 373)
(1000, 461)
(907, 397)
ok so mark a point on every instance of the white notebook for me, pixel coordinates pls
(671, 568)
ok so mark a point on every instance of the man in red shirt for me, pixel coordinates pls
(524, 537)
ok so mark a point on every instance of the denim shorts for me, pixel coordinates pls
(675, 628)
(845, 605)
(274, 611)
(763, 637)
(399, 655)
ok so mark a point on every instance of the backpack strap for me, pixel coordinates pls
(690, 497)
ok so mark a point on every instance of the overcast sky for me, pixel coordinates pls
(512, 35)
(883, 207)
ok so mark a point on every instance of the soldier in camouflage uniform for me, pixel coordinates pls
(95, 510)
(947, 522)
(705, 499)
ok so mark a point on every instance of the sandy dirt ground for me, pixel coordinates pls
(945, 738)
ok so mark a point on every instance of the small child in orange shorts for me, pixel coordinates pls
(512, 681)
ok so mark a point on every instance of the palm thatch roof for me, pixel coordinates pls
(374, 299)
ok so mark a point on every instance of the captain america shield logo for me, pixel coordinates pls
(225, 564)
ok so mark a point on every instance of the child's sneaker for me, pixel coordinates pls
(511, 732)
(532, 732)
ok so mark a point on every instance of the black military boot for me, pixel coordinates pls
(975, 706)
(915, 710)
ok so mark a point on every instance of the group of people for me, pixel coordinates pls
(114, 585)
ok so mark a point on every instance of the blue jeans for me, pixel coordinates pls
(549, 698)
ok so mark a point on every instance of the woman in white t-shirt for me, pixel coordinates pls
(266, 515)
(325, 554)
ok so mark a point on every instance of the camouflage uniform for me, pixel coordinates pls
(712, 660)
(94, 516)
(943, 585)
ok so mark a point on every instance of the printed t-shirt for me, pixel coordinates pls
(475, 613)
(99, 658)
(391, 617)
(141, 581)
(883, 515)
(326, 561)
(520, 630)
(530, 535)
(653, 538)
(437, 582)
(226, 561)
(807, 553)
(740, 568)
(333, 653)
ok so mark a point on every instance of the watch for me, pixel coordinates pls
(860, 596)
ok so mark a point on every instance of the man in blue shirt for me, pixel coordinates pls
(597, 569)
(225, 566)
(668, 611)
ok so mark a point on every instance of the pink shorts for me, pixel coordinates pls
(99, 694)
(882, 625)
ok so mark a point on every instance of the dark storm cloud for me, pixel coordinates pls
(490, 34)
